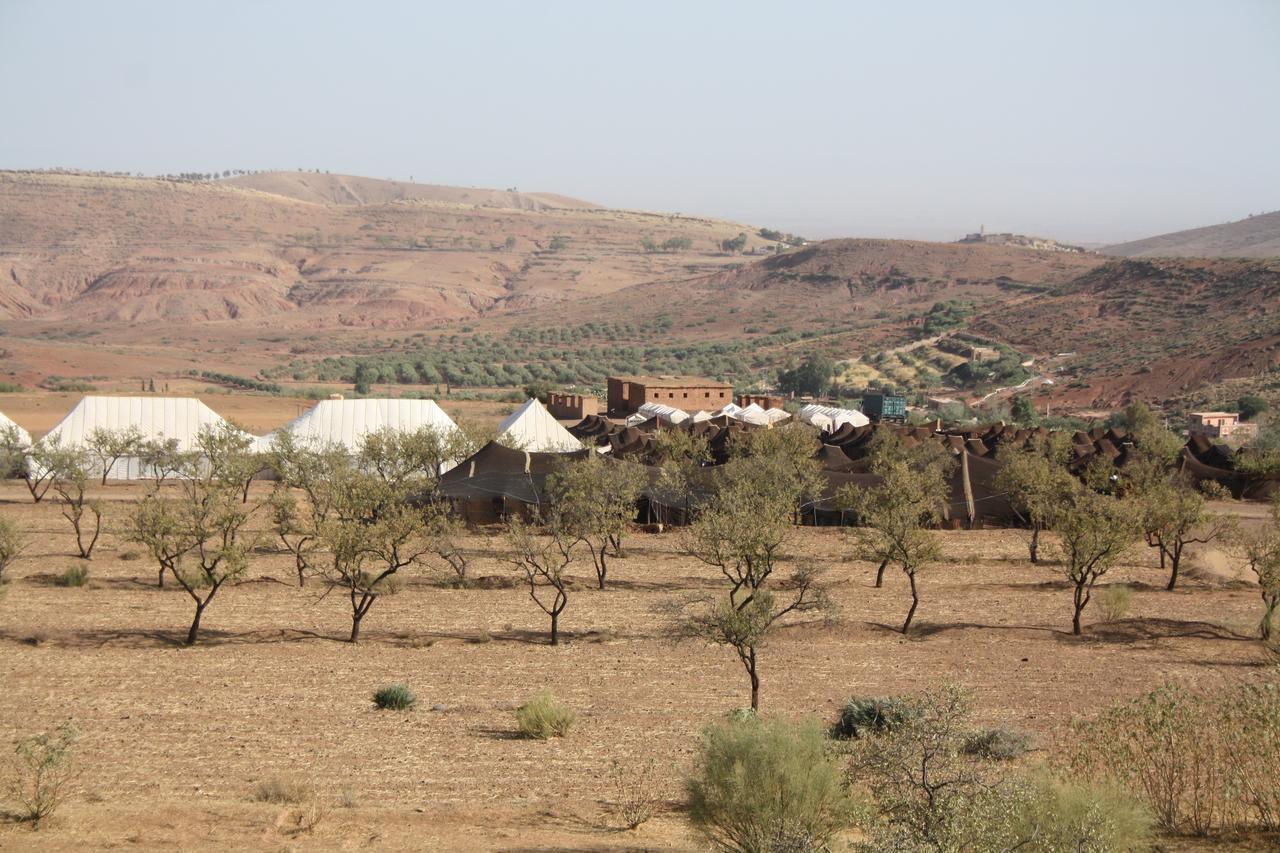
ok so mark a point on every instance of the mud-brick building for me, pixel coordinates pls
(626, 394)
(572, 406)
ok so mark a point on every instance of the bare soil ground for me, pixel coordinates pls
(176, 739)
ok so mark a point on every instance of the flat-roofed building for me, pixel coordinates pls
(1219, 425)
(690, 393)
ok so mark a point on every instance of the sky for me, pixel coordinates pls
(1088, 122)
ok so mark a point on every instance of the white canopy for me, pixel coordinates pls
(828, 417)
(669, 414)
(755, 414)
(347, 422)
(157, 418)
(23, 435)
(532, 428)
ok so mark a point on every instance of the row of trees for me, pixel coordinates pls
(356, 521)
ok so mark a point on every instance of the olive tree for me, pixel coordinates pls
(109, 446)
(313, 471)
(201, 536)
(14, 450)
(399, 457)
(596, 500)
(1038, 482)
(162, 458)
(743, 532)
(1094, 531)
(897, 511)
(13, 541)
(371, 534)
(1262, 555)
(542, 561)
(1173, 515)
(71, 482)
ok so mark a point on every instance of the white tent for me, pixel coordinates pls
(157, 418)
(532, 428)
(829, 418)
(667, 414)
(347, 422)
(6, 423)
(754, 414)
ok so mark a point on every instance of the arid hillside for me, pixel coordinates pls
(350, 189)
(1158, 329)
(109, 249)
(296, 278)
(1254, 237)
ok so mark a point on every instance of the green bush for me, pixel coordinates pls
(1202, 762)
(1114, 601)
(543, 717)
(43, 773)
(766, 786)
(871, 716)
(998, 744)
(1051, 815)
(75, 575)
(394, 697)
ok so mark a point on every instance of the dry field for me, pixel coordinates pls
(176, 739)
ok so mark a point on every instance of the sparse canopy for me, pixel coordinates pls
(742, 533)
(910, 497)
(596, 499)
(1094, 532)
(1038, 483)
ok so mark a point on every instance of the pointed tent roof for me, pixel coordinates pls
(532, 428)
(6, 422)
(156, 418)
(347, 422)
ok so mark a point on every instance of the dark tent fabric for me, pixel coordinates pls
(1241, 485)
(832, 458)
(496, 480)
(594, 429)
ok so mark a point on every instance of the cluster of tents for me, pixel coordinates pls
(330, 422)
(509, 475)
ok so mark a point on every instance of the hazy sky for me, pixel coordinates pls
(1086, 121)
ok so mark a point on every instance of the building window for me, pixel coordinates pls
(672, 395)
(685, 395)
(721, 395)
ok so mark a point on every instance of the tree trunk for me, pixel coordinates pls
(601, 568)
(754, 673)
(356, 616)
(160, 580)
(1175, 559)
(194, 631)
(1080, 602)
(915, 602)
(1268, 616)
(1034, 547)
(1162, 555)
(880, 572)
(555, 629)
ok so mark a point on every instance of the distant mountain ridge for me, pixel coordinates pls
(325, 188)
(1252, 237)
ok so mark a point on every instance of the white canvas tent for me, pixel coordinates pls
(830, 418)
(532, 428)
(6, 423)
(157, 418)
(667, 414)
(347, 422)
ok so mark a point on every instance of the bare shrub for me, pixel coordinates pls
(283, 791)
(43, 773)
(636, 791)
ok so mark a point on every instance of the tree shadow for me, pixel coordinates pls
(1154, 628)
